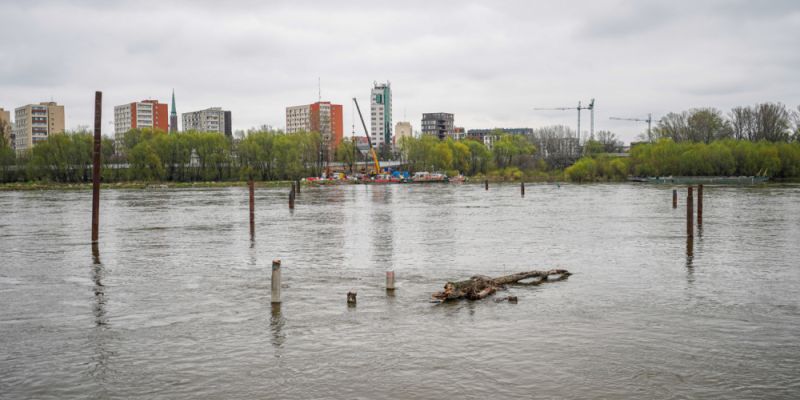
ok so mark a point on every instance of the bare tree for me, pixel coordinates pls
(557, 145)
(743, 123)
(797, 124)
(706, 125)
(673, 126)
(773, 122)
(610, 142)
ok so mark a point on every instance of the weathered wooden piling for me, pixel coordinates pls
(351, 298)
(522, 188)
(674, 198)
(690, 214)
(251, 187)
(486, 184)
(275, 291)
(98, 108)
(298, 187)
(699, 205)
(291, 198)
(389, 280)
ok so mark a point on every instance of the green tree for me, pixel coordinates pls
(479, 157)
(145, 163)
(346, 153)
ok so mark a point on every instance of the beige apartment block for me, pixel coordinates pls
(402, 129)
(34, 123)
(5, 126)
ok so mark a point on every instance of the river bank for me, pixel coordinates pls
(27, 186)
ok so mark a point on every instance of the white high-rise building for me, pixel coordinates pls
(381, 112)
(213, 119)
(298, 119)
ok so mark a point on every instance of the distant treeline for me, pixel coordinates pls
(761, 139)
(772, 122)
(748, 141)
(151, 155)
(719, 158)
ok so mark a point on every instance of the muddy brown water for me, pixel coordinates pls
(178, 305)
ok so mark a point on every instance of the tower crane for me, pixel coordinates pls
(649, 121)
(579, 108)
(366, 133)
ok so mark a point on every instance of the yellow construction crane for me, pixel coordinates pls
(366, 132)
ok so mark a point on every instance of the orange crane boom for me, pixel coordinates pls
(366, 132)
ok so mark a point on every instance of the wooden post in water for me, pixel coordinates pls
(251, 187)
(690, 214)
(486, 184)
(522, 188)
(674, 198)
(389, 280)
(699, 206)
(351, 298)
(298, 186)
(291, 198)
(276, 282)
(98, 108)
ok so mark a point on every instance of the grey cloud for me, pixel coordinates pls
(489, 62)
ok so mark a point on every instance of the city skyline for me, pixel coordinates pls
(491, 64)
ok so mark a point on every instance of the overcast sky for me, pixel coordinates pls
(488, 62)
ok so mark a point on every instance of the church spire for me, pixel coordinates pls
(173, 116)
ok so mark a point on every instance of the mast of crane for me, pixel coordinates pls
(591, 127)
(649, 121)
(369, 141)
(579, 108)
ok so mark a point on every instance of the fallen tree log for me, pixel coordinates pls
(480, 286)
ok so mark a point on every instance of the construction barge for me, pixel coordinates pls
(704, 180)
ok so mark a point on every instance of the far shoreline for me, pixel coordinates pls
(159, 185)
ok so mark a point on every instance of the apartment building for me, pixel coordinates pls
(213, 119)
(6, 127)
(381, 114)
(439, 124)
(401, 130)
(144, 114)
(322, 117)
(34, 123)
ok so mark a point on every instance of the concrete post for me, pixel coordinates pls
(276, 282)
(389, 280)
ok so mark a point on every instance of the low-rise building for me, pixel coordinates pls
(213, 119)
(439, 124)
(488, 136)
(34, 123)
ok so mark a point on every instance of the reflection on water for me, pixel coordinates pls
(276, 323)
(100, 335)
(648, 313)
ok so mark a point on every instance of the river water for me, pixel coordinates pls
(176, 303)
